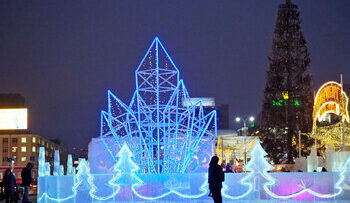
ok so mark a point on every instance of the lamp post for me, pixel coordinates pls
(251, 119)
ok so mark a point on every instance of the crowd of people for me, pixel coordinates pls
(232, 168)
(10, 187)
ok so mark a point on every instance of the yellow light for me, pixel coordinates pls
(331, 98)
(13, 119)
(285, 95)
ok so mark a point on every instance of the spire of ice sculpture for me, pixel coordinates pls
(69, 164)
(41, 161)
(61, 172)
(56, 163)
(47, 169)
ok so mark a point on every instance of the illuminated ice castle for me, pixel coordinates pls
(165, 131)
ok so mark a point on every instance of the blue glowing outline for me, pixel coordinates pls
(242, 181)
(158, 118)
(83, 164)
(203, 188)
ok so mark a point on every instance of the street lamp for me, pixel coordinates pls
(251, 119)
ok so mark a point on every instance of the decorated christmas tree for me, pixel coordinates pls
(288, 99)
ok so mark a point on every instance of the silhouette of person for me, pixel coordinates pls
(27, 180)
(215, 179)
(9, 183)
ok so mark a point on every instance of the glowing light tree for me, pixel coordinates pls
(258, 165)
(125, 175)
(82, 184)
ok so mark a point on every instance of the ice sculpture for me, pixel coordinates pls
(69, 165)
(165, 131)
(41, 162)
(312, 160)
(128, 185)
(73, 170)
(56, 163)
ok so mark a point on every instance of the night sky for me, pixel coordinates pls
(63, 56)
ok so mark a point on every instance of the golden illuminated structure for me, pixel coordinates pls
(230, 146)
(331, 99)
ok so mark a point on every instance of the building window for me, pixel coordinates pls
(39, 141)
(14, 149)
(23, 158)
(4, 150)
(4, 159)
(5, 140)
(14, 140)
(23, 149)
(34, 139)
(33, 149)
(23, 139)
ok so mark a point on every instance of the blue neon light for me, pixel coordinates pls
(166, 133)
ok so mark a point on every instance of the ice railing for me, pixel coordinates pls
(126, 184)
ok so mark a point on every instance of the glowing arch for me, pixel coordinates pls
(331, 98)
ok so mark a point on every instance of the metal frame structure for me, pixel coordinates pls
(165, 131)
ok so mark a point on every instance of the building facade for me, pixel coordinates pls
(19, 149)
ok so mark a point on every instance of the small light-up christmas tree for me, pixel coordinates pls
(82, 185)
(125, 169)
(258, 165)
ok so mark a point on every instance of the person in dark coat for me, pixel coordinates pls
(9, 183)
(215, 179)
(26, 181)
